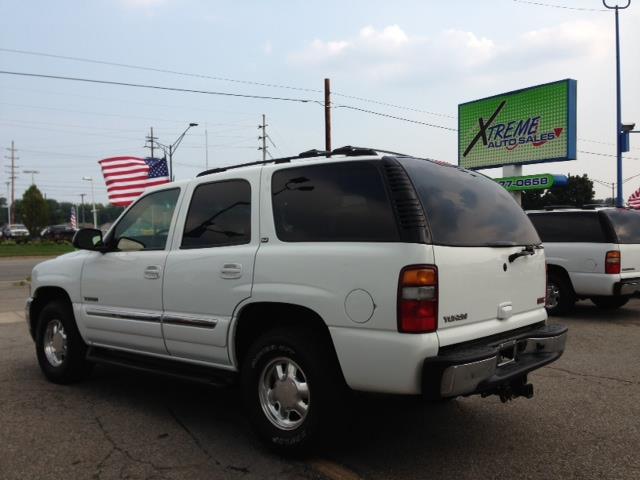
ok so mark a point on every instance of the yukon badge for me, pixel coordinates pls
(455, 318)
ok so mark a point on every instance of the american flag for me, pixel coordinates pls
(73, 219)
(634, 200)
(128, 177)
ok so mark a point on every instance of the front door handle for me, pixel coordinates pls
(231, 270)
(152, 272)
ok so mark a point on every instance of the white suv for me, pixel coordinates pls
(591, 253)
(304, 278)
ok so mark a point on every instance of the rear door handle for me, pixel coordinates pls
(231, 270)
(152, 272)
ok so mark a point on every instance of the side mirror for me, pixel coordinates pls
(88, 239)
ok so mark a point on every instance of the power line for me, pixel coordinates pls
(219, 78)
(565, 7)
(396, 118)
(607, 155)
(159, 70)
(376, 102)
(156, 87)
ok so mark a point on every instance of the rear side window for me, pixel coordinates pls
(583, 227)
(467, 209)
(219, 215)
(626, 224)
(336, 202)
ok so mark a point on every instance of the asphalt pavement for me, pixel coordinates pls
(13, 269)
(582, 422)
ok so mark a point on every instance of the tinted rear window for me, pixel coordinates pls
(583, 227)
(626, 224)
(467, 209)
(336, 202)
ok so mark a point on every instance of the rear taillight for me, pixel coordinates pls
(418, 299)
(612, 262)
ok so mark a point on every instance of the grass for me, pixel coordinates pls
(34, 249)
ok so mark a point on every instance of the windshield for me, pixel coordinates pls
(18, 226)
(626, 224)
(467, 209)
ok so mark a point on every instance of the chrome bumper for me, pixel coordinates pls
(627, 287)
(481, 367)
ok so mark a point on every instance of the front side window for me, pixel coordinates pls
(336, 202)
(146, 225)
(219, 215)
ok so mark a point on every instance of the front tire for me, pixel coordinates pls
(292, 389)
(60, 349)
(560, 296)
(609, 303)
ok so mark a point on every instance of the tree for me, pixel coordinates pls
(578, 191)
(33, 210)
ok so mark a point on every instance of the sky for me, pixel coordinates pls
(412, 59)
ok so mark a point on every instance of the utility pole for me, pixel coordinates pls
(12, 178)
(82, 195)
(263, 137)
(33, 173)
(8, 184)
(327, 116)
(152, 141)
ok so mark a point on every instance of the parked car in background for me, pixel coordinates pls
(58, 233)
(591, 253)
(16, 232)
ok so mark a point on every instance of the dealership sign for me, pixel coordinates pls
(532, 182)
(533, 125)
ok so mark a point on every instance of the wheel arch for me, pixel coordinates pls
(562, 272)
(257, 318)
(41, 297)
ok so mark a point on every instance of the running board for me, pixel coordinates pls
(171, 368)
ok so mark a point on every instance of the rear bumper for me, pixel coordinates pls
(482, 367)
(628, 286)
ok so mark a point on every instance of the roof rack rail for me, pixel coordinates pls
(559, 207)
(347, 150)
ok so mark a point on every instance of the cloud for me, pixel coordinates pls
(392, 53)
(267, 48)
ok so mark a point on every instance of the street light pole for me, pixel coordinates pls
(619, 200)
(93, 202)
(170, 149)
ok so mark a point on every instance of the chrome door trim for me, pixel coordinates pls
(124, 315)
(190, 321)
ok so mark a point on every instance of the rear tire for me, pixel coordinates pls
(560, 295)
(609, 303)
(60, 349)
(293, 390)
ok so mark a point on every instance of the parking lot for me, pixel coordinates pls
(581, 423)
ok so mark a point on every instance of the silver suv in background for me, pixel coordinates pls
(591, 253)
(17, 232)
